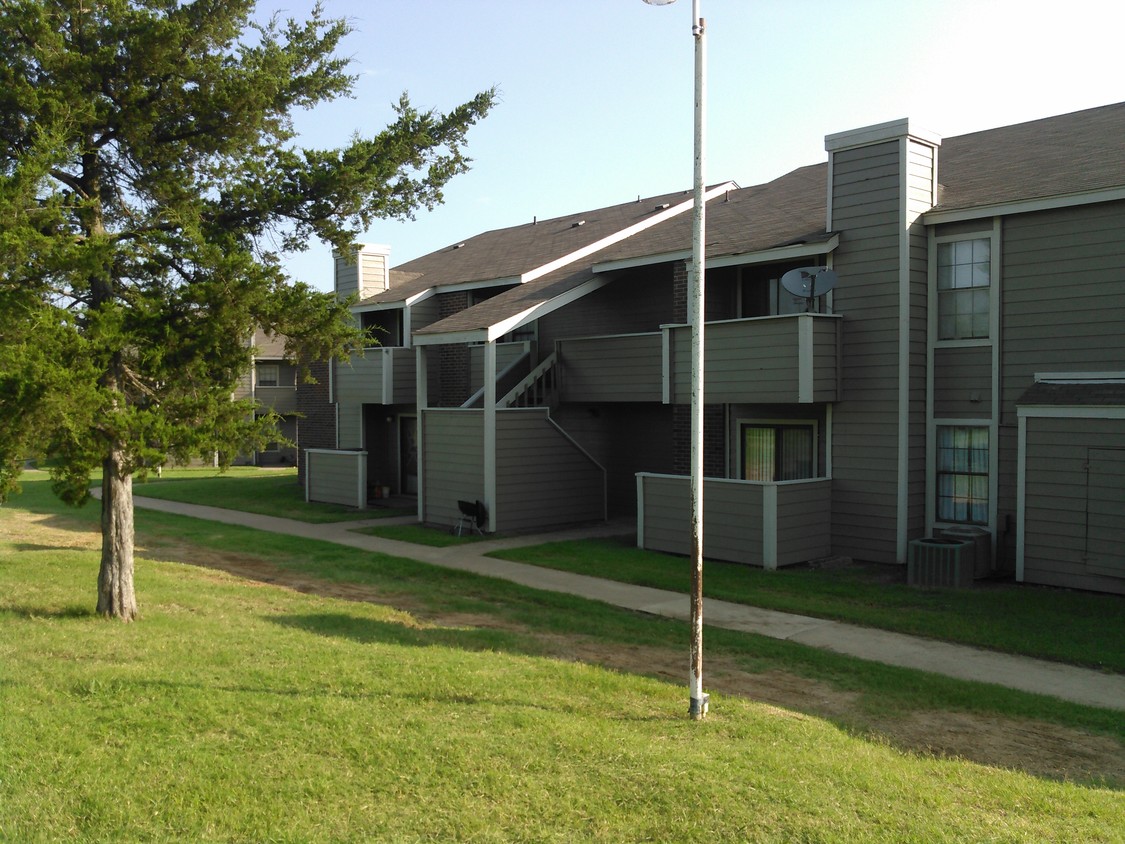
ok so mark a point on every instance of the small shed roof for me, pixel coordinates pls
(1110, 393)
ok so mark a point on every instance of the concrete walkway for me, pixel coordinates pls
(1079, 685)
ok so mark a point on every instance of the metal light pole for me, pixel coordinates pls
(696, 287)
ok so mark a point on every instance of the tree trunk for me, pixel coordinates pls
(116, 598)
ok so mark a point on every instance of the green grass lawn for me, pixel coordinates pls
(270, 492)
(882, 689)
(1082, 628)
(422, 535)
(238, 711)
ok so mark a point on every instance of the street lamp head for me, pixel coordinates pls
(660, 2)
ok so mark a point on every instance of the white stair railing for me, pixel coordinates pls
(537, 389)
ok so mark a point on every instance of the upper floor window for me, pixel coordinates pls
(964, 279)
(268, 374)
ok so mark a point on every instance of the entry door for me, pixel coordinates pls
(1105, 511)
(408, 454)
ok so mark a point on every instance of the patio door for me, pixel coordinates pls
(778, 452)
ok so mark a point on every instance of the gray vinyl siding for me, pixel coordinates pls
(506, 354)
(350, 425)
(1063, 279)
(920, 198)
(268, 346)
(804, 522)
(374, 270)
(337, 477)
(637, 301)
(743, 358)
(403, 378)
(963, 382)
(865, 209)
(360, 380)
(245, 387)
(1063, 282)
(424, 313)
(624, 368)
(625, 438)
(281, 400)
(733, 519)
(758, 360)
(347, 277)
(452, 462)
(1067, 535)
(827, 342)
(543, 479)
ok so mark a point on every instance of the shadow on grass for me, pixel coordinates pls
(29, 612)
(373, 631)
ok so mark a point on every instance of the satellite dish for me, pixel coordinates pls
(809, 282)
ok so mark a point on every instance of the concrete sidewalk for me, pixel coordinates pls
(1078, 685)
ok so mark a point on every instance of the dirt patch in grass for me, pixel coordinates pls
(1038, 748)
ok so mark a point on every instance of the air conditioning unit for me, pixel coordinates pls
(940, 562)
(982, 546)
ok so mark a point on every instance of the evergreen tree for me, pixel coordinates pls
(150, 186)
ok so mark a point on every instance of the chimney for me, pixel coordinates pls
(366, 273)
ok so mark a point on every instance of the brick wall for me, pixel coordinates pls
(453, 360)
(714, 440)
(316, 423)
(714, 418)
(679, 291)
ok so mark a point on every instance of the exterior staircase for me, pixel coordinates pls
(538, 389)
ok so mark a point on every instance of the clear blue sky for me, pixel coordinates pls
(596, 95)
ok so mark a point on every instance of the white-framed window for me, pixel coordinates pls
(777, 450)
(964, 282)
(268, 374)
(962, 474)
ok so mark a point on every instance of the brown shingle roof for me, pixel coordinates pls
(1072, 153)
(508, 253)
(1079, 394)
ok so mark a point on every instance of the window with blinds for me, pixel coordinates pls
(778, 452)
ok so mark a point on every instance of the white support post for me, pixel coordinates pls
(421, 400)
(697, 297)
(490, 433)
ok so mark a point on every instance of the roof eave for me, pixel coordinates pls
(1023, 206)
(502, 327)
(761, 256)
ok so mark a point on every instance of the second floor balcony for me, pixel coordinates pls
(791, 359)
(384, 375)
(280, 400)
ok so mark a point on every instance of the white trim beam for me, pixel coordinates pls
(1047, 203)
(805, 359)
(625, 233)
(490, 433)
(763, 256)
